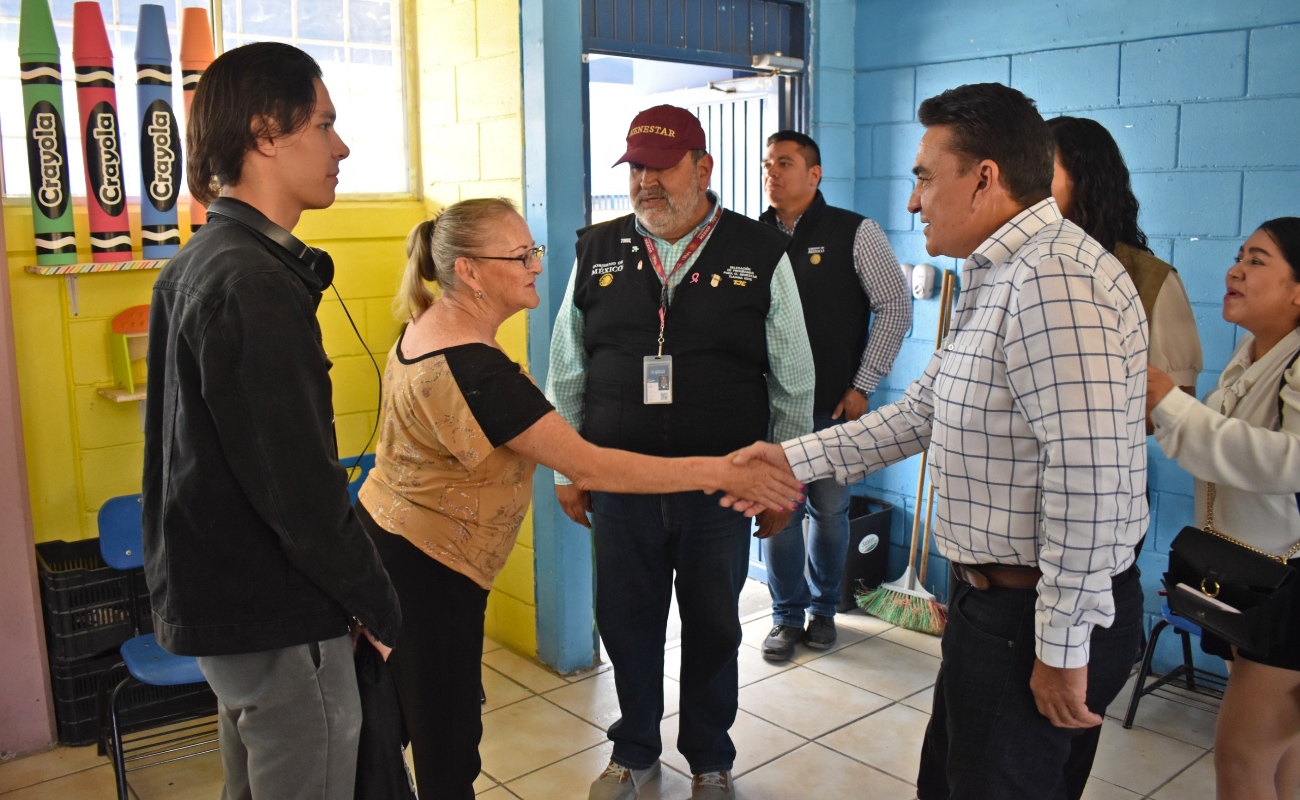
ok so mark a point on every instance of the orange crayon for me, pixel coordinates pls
(196, 55)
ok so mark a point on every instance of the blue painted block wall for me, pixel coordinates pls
(1202, 99)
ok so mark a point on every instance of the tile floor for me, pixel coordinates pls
(855, 731)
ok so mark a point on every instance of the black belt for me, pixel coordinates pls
(1011, 576)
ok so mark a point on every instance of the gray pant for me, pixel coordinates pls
(288, 721)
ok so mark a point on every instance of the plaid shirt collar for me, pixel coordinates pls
(1008, 239)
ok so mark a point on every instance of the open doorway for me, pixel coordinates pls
(738, 110)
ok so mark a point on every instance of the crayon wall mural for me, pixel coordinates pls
(196, 54)
(160, 139)
(47, 138)
(80, 135)
(101, 135)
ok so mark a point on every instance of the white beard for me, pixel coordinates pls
(671, 215)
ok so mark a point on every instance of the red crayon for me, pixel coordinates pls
(110, 231)
(196, 55)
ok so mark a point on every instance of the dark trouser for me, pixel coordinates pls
(803, 575)
(436, 664)
(640, 541)
(986, 738)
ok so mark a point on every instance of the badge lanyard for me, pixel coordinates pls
(657, 370)
(653, 253)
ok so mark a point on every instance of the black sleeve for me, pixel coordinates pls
(504, 401)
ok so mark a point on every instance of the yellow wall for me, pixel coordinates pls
(471, 145)
(83, 449)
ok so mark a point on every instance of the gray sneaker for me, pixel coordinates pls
(779, 644)
(618, 782)
(712, 786)
(821, 633)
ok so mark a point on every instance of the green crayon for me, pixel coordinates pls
(47, 141)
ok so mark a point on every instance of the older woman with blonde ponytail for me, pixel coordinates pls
(462, 427)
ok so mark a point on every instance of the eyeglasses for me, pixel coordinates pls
(525, 260)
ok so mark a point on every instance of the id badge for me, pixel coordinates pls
(658, 378)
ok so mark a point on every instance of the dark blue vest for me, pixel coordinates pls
(715, 332)
(836, 310)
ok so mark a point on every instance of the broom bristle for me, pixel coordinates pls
(905, 610)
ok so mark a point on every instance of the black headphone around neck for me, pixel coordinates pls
(312, 258)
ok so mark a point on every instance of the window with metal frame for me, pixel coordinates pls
(359, 46)
(358, 43)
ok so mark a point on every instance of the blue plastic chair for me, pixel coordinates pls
(121, 543)
(363, 467)
(1193, 678)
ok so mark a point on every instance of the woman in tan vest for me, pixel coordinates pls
(1092, 188)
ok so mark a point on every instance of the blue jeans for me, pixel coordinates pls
(641, 540)
(986, 738)
(828, 540)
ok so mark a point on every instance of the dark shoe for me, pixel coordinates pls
(779, 644)
(821, 633)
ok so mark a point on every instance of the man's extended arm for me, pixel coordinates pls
(851, 451)
(854, 449)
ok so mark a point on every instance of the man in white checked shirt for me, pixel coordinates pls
(1034, 419)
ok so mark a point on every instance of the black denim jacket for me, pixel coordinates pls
(250, 542)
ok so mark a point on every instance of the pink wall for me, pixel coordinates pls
(26, 707)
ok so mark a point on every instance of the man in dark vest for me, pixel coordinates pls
(846, 271)
(681, 334)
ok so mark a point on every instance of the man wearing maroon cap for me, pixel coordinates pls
(681, 334)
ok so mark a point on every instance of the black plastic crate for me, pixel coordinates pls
(143, 608)
(89, 608)
(73, 575)
(76, 688)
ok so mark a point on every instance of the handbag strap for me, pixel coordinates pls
(1209, 487)
(1210, 529)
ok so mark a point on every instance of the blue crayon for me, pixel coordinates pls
(160, 141)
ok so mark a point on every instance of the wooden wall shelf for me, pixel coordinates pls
(106, 266)
(121, 395)
(71, 271)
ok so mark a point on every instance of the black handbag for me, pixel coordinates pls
(1232, 590)
(381, 769)
(1236, 592)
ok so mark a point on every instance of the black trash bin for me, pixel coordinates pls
(868, 552)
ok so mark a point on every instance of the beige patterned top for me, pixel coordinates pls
(443, 478)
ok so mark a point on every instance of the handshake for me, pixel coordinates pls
(756, 481)
(759, 482)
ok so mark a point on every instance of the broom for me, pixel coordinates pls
(905, 602)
